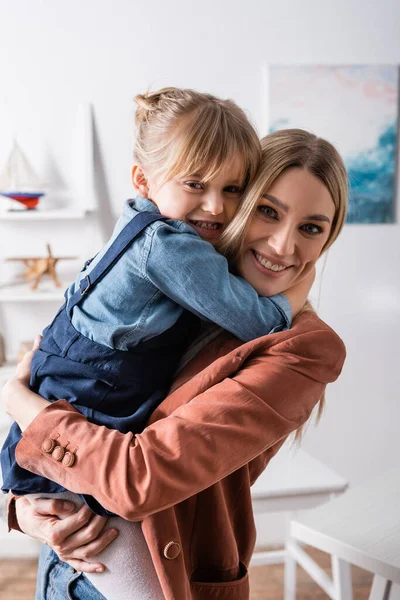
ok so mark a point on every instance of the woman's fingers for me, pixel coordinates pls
(85, 535)
(88, 552)
(24, 367)
(68, 526)
(55, 507)
(85, 567)
(76, 539)
(36, 342)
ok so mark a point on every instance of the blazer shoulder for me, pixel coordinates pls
(310, 345)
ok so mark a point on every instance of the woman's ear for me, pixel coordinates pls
(139, 181)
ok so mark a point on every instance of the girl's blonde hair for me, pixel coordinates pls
(282, 150)
(182, 132)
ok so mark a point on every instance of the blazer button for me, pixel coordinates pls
(68, 459)
(58, 453)
(48, 445)
(172, 550)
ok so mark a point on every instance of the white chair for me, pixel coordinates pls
(362, 528)
(293, 481)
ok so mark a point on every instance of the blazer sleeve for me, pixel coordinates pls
(270, 395)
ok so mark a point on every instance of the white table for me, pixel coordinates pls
(293, 481)
(362, 528)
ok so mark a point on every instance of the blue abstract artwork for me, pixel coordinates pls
(355, 108)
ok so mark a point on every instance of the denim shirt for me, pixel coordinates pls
(167, 269)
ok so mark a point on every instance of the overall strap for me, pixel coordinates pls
(113, 254)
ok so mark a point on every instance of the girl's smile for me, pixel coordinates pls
(207, 229)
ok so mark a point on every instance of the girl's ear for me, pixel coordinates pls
(139, 181)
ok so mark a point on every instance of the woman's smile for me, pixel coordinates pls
(274, 266)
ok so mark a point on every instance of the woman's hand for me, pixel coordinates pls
(17, 399)
(76, 538)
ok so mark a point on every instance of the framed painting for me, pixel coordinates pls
(355, 108)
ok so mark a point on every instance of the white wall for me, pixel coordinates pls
(54, 55)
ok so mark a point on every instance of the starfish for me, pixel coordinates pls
(36, 267)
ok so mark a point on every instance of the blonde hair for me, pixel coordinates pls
(282, 150)
(182, 132)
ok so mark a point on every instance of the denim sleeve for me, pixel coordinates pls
(193, 274)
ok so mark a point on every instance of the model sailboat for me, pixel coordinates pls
(19, 181)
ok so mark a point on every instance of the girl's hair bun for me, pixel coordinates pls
(149, 102)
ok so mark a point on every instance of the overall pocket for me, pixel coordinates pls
(58, 377)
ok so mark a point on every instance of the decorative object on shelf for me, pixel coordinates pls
(2, 351)
(19, 181)
(24, 347)
(355, 108)
(36, 267)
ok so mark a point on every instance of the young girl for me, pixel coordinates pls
(114, 346)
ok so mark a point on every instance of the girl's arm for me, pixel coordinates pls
(201, 442)
(194, 275)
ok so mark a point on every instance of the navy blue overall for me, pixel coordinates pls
(118, 389)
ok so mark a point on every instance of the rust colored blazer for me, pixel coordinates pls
(187, 477)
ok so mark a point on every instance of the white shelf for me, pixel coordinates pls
(46, 292)
(38, 214)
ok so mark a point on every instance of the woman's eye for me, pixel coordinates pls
(312, 229)
(268, 211)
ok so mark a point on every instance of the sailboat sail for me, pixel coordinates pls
(18, 181)
(18, 175)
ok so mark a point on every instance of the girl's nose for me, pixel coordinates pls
(213, 204)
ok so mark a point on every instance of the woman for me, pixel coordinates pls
(187, 477)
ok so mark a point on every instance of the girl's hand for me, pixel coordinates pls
(298, 293)
(17, 399)
(76, 538)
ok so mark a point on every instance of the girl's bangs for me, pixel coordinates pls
(205, 148)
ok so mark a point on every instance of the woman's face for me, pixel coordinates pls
(287, 233)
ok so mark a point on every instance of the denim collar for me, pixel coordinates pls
(142, 204)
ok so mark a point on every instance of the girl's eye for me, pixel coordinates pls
(268, 211)
(312, 229)
(233, 189)
(194, 185)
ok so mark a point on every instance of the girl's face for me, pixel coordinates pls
(207, 206)
(290, 227)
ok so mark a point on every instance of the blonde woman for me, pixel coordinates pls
(185, 480)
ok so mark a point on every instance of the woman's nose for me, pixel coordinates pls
(282, 242)
(213, 203)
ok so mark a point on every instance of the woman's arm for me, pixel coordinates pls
(201, 442)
